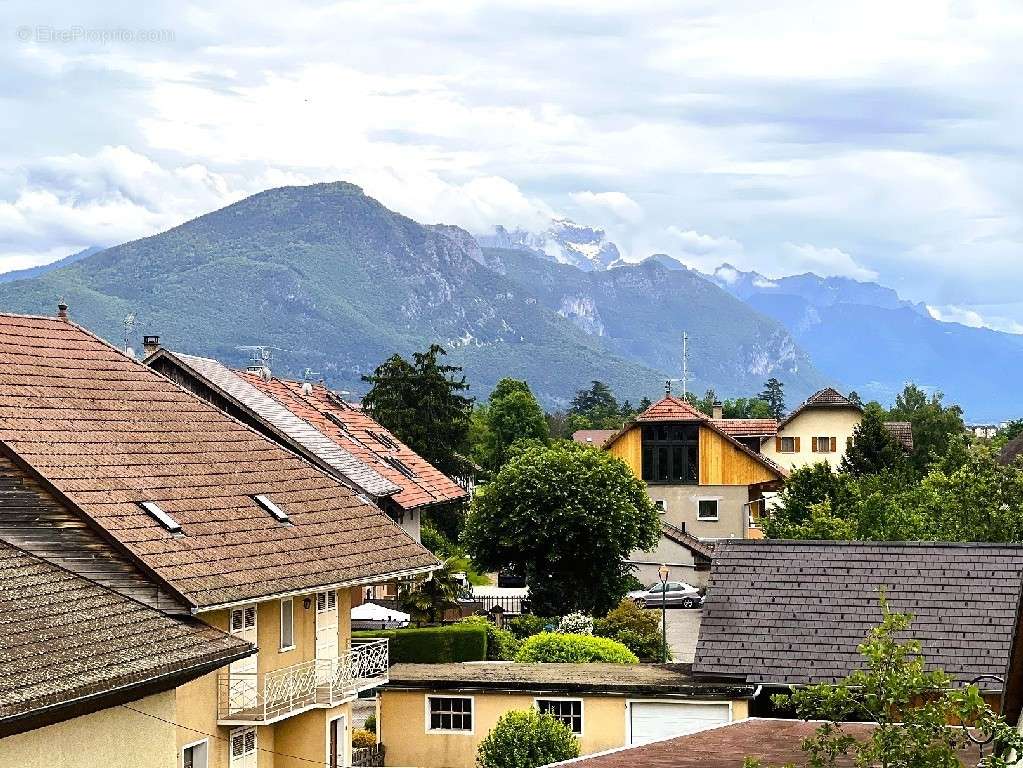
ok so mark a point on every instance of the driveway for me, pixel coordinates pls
(683, 630)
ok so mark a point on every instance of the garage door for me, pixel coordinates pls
(653, 720)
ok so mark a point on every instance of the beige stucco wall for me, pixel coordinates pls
(682, 504)
(111, 738)
(304, 738)
(814, 422)
(678, 559)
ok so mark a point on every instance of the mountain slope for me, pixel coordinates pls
(42, 269)
(641, 310)
(332, 281)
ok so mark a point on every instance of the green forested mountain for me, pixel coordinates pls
(334, 282)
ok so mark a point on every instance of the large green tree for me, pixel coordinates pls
(774, 396)
(422, 401)
(568, 517)
(596, 408)
(873, 448)
(934, 424)
(511, 414)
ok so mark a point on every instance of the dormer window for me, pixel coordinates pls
(162, 517)
(671, 453)
(276, 512)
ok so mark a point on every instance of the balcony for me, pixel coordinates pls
(250, 698)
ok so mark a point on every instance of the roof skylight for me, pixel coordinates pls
(162, 517)
(276, 512)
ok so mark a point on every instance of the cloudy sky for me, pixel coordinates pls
(876, 140)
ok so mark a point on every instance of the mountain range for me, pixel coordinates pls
(333, 283)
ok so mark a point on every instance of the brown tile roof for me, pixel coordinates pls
(107, 433)
(703, 549)
(793, 612)
(774, 742)
(829, 397)
(671, 408)
(614, 678)
(63, 637)
(747, 427)
(420, 483)
(595, 437)
(1011, 451)
(901, 431)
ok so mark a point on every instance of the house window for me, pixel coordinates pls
(824, 444)
(195, 755)
(449, 713)
(707, 510)
(787, 445)
(568, 711)
(243, 619)
(326, 601)
(661, 506)
(287, 624)
(671, 453)
(243, 747)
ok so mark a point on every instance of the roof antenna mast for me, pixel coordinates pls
(129, 326)
(685, 364)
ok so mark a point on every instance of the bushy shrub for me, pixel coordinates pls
(526, 739)
(553, 647)
(576, 623)
(433, 645)
(435, 541)
(371, 723)
(362, 738)
(502, 645)
(527, 625)
(634, 627)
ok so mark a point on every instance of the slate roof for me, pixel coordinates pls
(420, 483)
(747, 427)
(63, 637)
(773, 742)
(243, 390)
(579, 678)
(793, 612)
(106, 433)
(901, 431)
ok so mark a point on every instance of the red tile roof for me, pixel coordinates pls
(672, 408)
(829, 397)
(595, 437)
(106, 433)
(367, 440)
(746, 427)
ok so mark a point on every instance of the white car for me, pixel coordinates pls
(674, 593)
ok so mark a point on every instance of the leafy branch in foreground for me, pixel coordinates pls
(916, 711)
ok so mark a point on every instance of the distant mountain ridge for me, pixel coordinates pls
(42, 269)
(564, 242)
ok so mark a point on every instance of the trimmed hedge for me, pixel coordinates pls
(553, 647)
(433, 645)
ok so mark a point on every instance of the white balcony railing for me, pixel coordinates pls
(250, 697)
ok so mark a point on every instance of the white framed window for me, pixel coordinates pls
(243, 619)
(243, 748)
(195, 755)
(326, 601)
(287, 624)
(568, 711)
(661, 505)
(449, 714)
(707, 510)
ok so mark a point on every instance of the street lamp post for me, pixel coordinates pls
(663, 573)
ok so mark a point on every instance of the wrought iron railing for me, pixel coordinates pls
(250, 697)
(368, 757)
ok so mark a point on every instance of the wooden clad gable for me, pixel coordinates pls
(721, 463)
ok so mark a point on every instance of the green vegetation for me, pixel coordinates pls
(915, 710)
(371, 723)
(874, 449)
(363, 737)
(422, 403)
(433, 645)
(637, 629)
(444, 548)
(934, 424)
(567, 516)
(511, 414)
(774, 396)
(554, 647)
(502, 645)
(427, 599)
(529, 624)
(526, 739)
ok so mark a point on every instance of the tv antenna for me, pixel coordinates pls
(685, 370)
(129, 326)
(308, 374)
(261, 356)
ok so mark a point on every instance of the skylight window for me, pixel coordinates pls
(338, 422)
(162, 517)
(276, 512)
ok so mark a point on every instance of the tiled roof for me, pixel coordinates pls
(702, 548)
(672, 408)
(773, 742)
(106, 433)
(747, 427)
(595, 437)
(829, 397)
(243, 389)
(420, 484)
(63, 637)
(791, 612)
(901, 431)
(1012, 450)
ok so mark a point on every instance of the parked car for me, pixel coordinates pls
(677, 593)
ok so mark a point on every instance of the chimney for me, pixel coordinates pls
(62, 311)
(719, 411)
(150, 344)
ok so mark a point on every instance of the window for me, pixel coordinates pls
(162, 517)
(661, 506)
(824, 444)
(243, 745)
(287, 624)
(449, 713)
(276, 512)
(195, 755)
(243, 618)
(671, 453)
(787, 444)
(568, 711)
(326, 601)
(708, 510)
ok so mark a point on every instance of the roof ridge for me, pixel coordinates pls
(870, 543)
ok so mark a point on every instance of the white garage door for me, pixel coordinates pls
(653, 720)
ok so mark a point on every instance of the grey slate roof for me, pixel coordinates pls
(295, 428)
(786, 612)
(63, 637)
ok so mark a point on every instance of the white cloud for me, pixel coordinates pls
(974, 319)
(794, 258)
(617, 203)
